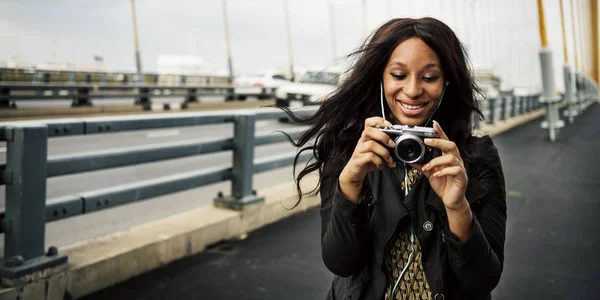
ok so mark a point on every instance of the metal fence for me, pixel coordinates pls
(83, 94)
(27, 168)
(34, 76)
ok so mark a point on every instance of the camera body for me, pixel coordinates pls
(409, 143)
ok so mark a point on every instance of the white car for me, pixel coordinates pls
(311, 88)
(262, 86)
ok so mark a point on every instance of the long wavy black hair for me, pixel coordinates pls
(337, 125)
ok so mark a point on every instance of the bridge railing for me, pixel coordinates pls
(28, 166)
(40, 76)
(83, 94)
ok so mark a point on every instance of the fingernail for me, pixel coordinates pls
(436, 174)
(388, 124)
(391, 143)
(425, 167)
(427, 141)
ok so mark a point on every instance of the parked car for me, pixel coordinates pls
(262, 86)
(311, 88)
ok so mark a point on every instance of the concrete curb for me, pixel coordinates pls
(99, 263)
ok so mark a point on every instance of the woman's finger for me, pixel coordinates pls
(444, 160)
(445, 145)
(372, 158)
(374, 121)
(438, 129)
(453, 171)
(371, 133)
(375, 147)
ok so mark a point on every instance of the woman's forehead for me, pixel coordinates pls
(412, 53)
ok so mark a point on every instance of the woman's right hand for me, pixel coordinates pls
(369, 155)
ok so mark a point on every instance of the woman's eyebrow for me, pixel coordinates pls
(427, 66)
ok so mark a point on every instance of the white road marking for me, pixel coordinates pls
(162, 133)
(2, 149)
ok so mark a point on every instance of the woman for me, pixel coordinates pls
(392, 230)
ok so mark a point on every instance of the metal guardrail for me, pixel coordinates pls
(40, 76)
(82, 94)
(28, 167)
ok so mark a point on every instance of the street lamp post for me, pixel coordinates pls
(289, 37)
(138, 62)
(227, 40)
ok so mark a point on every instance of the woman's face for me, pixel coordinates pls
(413, 82)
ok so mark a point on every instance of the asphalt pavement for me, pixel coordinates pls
(551, 249)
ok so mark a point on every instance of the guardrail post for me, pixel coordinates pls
(191, 95)
(492, 109)
(230, 94)
(503, 103)
(81, 97)
(25, 214)
(569, 87)
(243, 165)
(549, 96)
(513, 106)
(529, 103)
(5, 98)
(143, 98)
(71, 78)
(521, 105)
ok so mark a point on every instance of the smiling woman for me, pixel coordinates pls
(395, 229)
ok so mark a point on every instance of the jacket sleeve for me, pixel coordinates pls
(345, 238)
(478, 261)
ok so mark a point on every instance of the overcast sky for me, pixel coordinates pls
(501, 34)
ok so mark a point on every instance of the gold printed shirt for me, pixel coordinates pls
(413, 284)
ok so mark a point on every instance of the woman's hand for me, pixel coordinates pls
(369, 155)
(446, 173)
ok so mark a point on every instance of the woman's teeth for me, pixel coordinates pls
(412, 107)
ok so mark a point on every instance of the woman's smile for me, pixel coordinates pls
(411, 108)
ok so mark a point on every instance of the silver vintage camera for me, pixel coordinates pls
(410, 147)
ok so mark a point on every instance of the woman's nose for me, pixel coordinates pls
(412, 89)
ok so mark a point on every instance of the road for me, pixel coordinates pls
(551, 248)
(123, 217)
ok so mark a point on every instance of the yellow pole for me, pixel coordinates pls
(595, 45)
(543, 37)
(564, 34)
(576, 58)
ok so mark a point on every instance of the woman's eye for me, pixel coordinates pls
(399, 76)
(430, 79)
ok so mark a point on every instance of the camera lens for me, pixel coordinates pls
(409, 149)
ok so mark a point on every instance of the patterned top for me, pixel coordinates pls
(414, 284)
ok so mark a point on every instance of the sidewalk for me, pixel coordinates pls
(551, 245)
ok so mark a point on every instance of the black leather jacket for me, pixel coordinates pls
(353, 236)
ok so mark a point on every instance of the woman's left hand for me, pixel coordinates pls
(446, 173)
